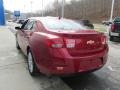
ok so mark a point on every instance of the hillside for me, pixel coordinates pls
(95, 10)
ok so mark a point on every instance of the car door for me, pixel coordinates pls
(27, 33)
(20, 34)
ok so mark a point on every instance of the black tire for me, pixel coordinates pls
(33, 70)
(17, 45)
(111, 38)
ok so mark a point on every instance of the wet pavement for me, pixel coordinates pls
(107, 78)
(14, 74)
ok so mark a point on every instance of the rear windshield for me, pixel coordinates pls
(62, 24)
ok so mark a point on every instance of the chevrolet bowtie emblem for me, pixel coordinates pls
(90, 42)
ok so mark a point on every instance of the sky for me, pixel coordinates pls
(25, 5)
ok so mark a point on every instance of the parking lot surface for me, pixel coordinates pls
(14, 74)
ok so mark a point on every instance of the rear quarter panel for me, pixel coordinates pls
(40, 50)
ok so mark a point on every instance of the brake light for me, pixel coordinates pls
(113, 27)
(104, 40)
(55, 43)
(70, 43)
(58, 43)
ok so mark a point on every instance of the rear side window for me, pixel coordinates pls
(30, 25)
(62, 24)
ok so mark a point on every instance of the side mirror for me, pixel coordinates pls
(17, 28)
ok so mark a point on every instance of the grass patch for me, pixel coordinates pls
(100, 28)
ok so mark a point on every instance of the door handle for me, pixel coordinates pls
(28, 34)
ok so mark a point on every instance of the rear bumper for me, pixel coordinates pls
(115, 34)
(67, 65)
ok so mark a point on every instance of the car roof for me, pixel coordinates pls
(47, 17)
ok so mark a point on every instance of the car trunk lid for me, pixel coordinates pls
(82, 42)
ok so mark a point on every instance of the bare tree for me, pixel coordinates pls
(96, 10)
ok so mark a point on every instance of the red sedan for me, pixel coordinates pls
(61, 46)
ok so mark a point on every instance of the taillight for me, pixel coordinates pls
(113, 27)
(55, 43)
(104, 40)
(69, 43)
(58, 43)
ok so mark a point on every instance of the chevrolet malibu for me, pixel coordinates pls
(61, 46)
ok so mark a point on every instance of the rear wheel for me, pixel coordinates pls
(111, 38)
(31, 64)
